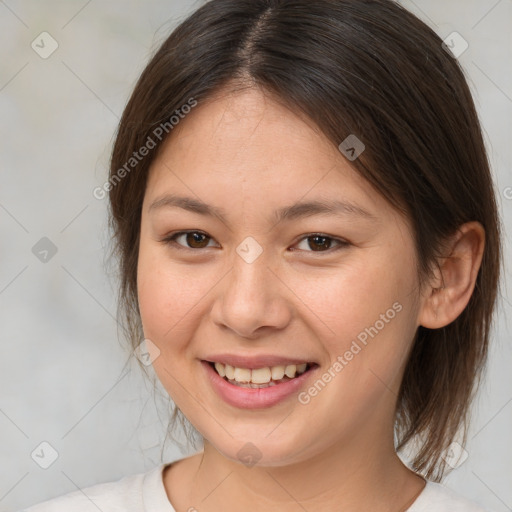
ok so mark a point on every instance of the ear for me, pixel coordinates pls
(448, 293)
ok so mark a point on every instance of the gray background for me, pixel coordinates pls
(63, 377)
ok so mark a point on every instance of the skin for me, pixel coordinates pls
(248, 154)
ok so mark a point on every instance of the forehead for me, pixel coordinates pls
(247, 146)
(231, 127)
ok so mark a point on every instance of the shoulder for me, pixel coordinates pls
(125, 494)
(437, 497)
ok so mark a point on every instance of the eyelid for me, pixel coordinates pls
(170, 240)
(341, 243)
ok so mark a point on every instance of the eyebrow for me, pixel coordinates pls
(287, 213)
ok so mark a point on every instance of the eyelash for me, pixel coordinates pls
(171, 241)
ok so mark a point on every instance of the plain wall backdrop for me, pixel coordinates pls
(63, 379)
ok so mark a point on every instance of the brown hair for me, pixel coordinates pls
(368, 68)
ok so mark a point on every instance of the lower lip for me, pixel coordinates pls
(255, 398)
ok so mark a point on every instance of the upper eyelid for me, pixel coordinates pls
(176, 234)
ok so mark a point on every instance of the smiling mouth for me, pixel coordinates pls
(261, 377)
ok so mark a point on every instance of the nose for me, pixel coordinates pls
(252, 299)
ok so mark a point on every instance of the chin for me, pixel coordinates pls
(260, 451)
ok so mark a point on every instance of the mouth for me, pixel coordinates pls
(258, 378)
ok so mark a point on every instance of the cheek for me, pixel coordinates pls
(163, 300)
(171, 298)
(169, 301)
(365, 312)
(354, 297)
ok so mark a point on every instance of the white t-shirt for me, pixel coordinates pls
(145, 492)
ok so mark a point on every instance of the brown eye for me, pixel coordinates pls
(196, 240)
(193, 240)
(318, 242)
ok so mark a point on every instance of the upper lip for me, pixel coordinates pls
(256, 361)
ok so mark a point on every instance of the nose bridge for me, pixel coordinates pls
(250, 297)
(249, 282)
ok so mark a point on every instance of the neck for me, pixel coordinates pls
(353, 476)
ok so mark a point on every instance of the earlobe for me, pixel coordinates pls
(450, 290)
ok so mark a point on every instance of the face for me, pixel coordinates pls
(335, 288)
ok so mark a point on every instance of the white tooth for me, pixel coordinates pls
(230, 372)
(277, 372)
(242, 375)
(261, 375)
(290, 370)
(301, 368)
(220, 369)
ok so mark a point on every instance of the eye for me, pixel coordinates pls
(321, 241)
(196, 239)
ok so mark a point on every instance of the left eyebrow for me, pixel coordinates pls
(322, 207)
(287, 213)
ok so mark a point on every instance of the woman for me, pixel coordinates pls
(309, 246)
